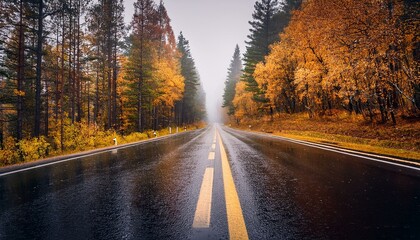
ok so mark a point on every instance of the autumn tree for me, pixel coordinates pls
(68, 71)
(357, 56)
(244, 106)
(144, 35)
(154, 67)
(167, 73)
(269, 19)
(278, 75)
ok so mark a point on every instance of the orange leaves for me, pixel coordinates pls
(19, 93)
(277, 73)
(243, 103)
(170, 82)
(336, 52)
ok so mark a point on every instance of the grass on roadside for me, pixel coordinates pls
(346, 131)
(79, 138)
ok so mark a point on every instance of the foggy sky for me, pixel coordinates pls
(213, 27)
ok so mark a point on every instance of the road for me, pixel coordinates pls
(214, 183)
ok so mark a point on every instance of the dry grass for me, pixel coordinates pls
(347, 131)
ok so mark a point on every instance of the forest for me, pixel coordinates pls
(327, 55)
(73, 76)
(321, 56)
(330, 61)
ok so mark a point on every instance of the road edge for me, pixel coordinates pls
(402, 163)
(6, 170)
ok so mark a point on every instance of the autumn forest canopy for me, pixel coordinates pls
(73, 74)
(323, 56)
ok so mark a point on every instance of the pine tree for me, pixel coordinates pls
(143, 50)
(190, 106)
(107, 25)
(234, 75)
(17, 66)
(269, 20)
(264, 32)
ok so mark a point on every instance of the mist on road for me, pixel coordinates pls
(213, 29)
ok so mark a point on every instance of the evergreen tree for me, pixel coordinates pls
(106, 22)
(264, 32)
(18, 60)
(269, 20)
(144, 38)
(234, 75)
(190, 107)
(291, 5)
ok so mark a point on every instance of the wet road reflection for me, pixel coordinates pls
(143, 192)
(291, 191)
(151, 190)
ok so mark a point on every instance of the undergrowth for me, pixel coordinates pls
(76, 138)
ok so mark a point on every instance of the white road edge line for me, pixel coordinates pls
(89, 155)
(341, 151)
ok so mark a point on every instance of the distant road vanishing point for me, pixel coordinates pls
(213, 183)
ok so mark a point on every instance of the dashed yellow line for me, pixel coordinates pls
(214, 138)
(236, 222)
(211, 155)
(203, 210)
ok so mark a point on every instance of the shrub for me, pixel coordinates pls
(134, 137)
(32, 149)
(8, 155)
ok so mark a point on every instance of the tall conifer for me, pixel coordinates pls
(234, 75)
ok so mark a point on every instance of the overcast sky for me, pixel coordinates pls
(213, 28)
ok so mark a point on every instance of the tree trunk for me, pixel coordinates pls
(47, 108)
(114, 81)
(38, 69)
(61, 90)
(96, 107)
(20, 74)
(71, 67)
(78, 85)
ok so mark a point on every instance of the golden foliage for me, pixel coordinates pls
(243, 103)
(340, 52)
(169, 82)
(23, 151)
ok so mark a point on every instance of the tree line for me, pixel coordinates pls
(74, 63)
(325, 56)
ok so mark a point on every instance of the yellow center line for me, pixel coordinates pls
(203, 210)
(211, 155)
(213, 146)
(214, 138)
(236, 222)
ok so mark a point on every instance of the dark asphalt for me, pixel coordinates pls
(150, 191)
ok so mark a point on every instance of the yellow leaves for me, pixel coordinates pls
(35, 148)
(23, 151)
(277, 73)
(169, 82)
(337, 54)
(243, 103)
(19, 93)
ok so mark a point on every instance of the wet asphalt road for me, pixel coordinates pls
(150, 191)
